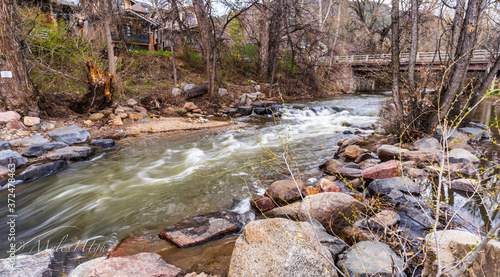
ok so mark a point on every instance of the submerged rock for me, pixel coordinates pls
(280, 247)
(70, 134)
(36, 171)
(333, 210)
(284, 192)
(200, 229)
(369, 258)
(453, 246)
(143, 264)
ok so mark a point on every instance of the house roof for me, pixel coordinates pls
(138, 8)
(142, 17)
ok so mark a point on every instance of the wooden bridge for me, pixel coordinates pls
(479, 61)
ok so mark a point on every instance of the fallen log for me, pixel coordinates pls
(197, 91)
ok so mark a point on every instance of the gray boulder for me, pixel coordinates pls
(393, 188)
(222, 91)
(280, 247)
(70, 134)
(476, 133)
(10, 157)
(333, 210)
(35, 139)
(427, 144)
(334, 244)
(453, 246)
(188, 87)
(467, 185)
(105, 143)
(37, 265)
(176, 91)
(71, 153)
(369, 258)
(244, 110)
(458, 154)
(37, 150)
(389, 152)
(37, 171)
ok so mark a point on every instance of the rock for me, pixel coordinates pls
(384, 170)
(4, 145)
(331, 166)
(123, 115)
(393, 188)
(104, 143)
(8, 116)
(454, 136)
(200, 229)
(37, 150)
(131, 102)
(116, 121)
(453, 246)
(422, 156)
(414, 172)
(284, 192)
(328, 186)
(106, 112)
(352, 165)
(257, 87)
(35, 139)
(352, 235)
(279, 247)
(289, 211)
(248, 101)
(15, 125)
(143, 120)
(71, 153)
(389, 152)
(468, 185)
(332, 209)
(3, 171)
(189, 106)
(427, 144)
(140, 109)
(28, 265)
(181, 111)
(354, 151)
(43, 127)
(364, 157)
(10, 157)
(88, 122)
(176, 91)
(197, 111)
(463, 154)
(417, 219)
(368, 258)
(188, 87)
(31, 120)
(37, 171)
(136, 116)
(384, 219)
(70, 134)
(119, 110)
(262, 204)
(334, 244)
(96, 116)
(244, 110)
(476, 134)
(142, 264)
(222, 91)
(243, 98)
(347, 172)
(119, 134)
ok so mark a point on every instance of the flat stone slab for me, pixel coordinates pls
(393, 188)
(24, 142)
(104, 143)
(71, 153)
(200, 229)
(37, 150)
(10, 157)
(71, 134)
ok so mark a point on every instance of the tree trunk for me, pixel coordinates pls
(413, 46)
(264, 40)
(396, 94)
(99, 93)
(172, 38)
(17, 92)
(456, 27)
(109, 40)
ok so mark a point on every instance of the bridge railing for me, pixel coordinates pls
(478, 56)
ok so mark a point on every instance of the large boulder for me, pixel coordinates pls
(8, 116)
(28, 265)
(453, 246)
(24, 142)
(467, 185)
(36, 171)
(10, 157)
(384, 170)
(333, 210)
(142, 264)
(200, 229)
(389, 152)
(383, 220)
(71, 134)
(422, 156)
(393, 188)
(462, 154)
(284, 192)
(331, 166)
(37, 150)
(280, 247)
(370, 258)
(71, 153)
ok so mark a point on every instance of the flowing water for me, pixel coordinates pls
(153, 181)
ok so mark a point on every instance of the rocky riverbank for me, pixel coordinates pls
(370, 216)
